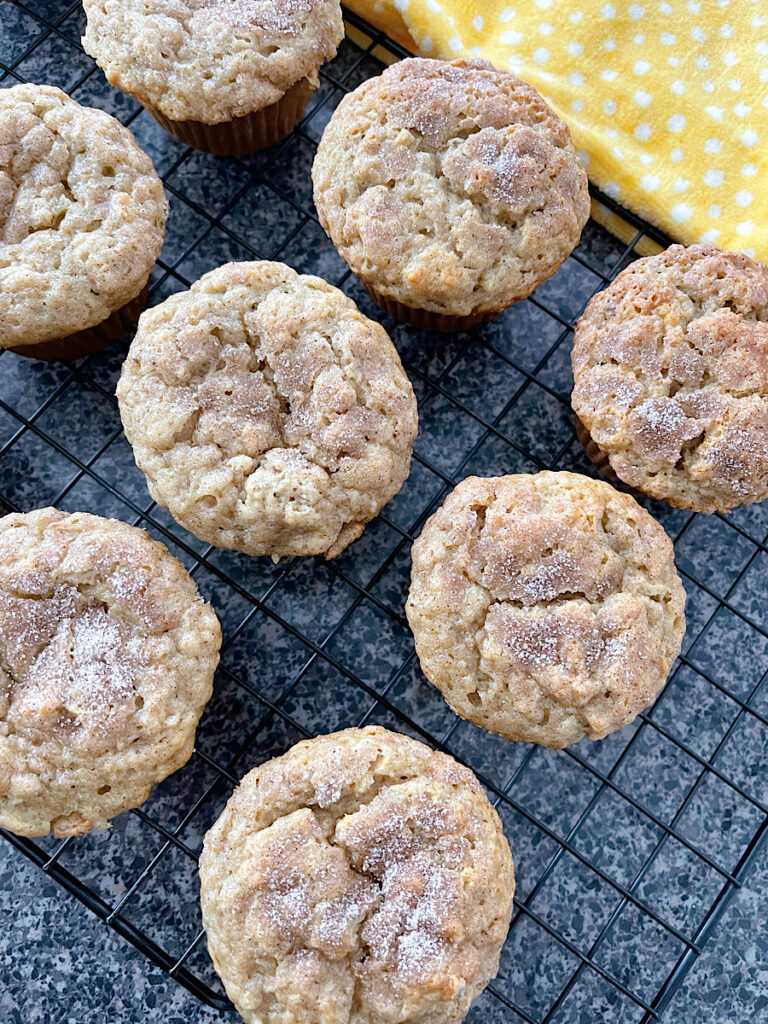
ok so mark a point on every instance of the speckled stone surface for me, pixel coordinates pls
(622, 847)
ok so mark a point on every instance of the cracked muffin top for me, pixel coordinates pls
(670, 367)
(211, 60)
(360, 878)
(82, 215)
(107, 655)
(268, 414)
(545, 607)
(450, 187)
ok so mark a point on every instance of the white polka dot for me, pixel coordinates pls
(576, 78)
(477, 23)
(612, 190)
(765, 102)
(639, 39)
(702, 62)
(676, 123)
(713, 178)
(715, 112)
(665, 8)
(476, 51)
(681, 212)
(707, 86)
(709, 237)
(726, 31)
(678, 87)
(575, 17)
(636, 12)
(749, 137)
(730, 58)
(609, 106)
(641, 67)
(608, 11)
(649, 182)
(618, 153)
(744, 198)
(609, 44)
(734, 84)
(693, 6)
(575, 49)
(609, 76)
(515, 62)
(642, 98)
(511, 38)
(541, 56)
(741, 110)
(713, 146)
(426, 44)
(714, 211)
(643, 132)
(762, 49)
(673, 62)
(455, 43)
(507, 14)
(764, 74)
(401, 5)
(676, 156)
(583, 156)
(749, 170)
(745, 228)
(699, 35)
(757, 21)
(749, 252)
(543, 4)
(577, 106)
(433, 5)
(680, 185)
(667, 38)
(645, 159)
(546, 29)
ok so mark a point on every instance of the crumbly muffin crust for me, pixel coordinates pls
(268, 414)
(449, 187)
(211, 60)
(360, 878)
(545, 607)
(670, 367)
(82, 215)
(107, 654)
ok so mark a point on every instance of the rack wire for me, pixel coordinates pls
(628, 850)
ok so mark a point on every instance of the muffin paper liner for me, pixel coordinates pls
(92, 339)
(426, 320)
(244, 134)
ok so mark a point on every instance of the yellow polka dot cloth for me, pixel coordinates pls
(667, 100)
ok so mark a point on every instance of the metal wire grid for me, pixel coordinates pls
(177, 822)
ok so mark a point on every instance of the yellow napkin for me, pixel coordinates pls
(667, 100)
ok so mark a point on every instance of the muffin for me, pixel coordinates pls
(107, 653)
(224, 76)
(545, 607)
(670, 368)
(451, 189)
(267, 413)
(359, 877)
(82, 218)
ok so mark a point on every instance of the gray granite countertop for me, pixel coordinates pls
(622, 848)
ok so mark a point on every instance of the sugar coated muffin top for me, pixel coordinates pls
(545, 607)
(450, 187)
(268, 414)
(671, 376)
(211, 60)
(82, 215)
(107, 655)
(361, 878)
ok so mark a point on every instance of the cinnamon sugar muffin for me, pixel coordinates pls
(670, 367)
(267, 413)
(545, 608)
(451, 189)
(82, 218)
(225, 76)
(107, 653)
(360, 878)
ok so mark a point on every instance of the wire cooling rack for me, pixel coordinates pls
(627, 851)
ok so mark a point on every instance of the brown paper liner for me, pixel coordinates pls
(426, 320)
(92, 339)
(595, 453)
(244, 134)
